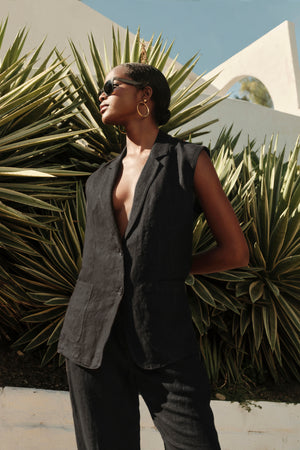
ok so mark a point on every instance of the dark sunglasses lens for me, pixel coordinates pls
(108, 87)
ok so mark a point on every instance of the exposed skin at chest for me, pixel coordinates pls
(124, 189)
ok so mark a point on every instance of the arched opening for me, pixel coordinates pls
(253, 90)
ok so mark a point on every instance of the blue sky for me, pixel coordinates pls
(217, 29)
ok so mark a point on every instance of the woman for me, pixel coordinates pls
(128, 329)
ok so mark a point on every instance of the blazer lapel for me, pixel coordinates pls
(151, 169)
(107, 182)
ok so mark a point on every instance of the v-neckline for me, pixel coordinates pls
(134, 194)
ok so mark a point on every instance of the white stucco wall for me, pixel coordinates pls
(255, 121)
(58, 21)
(34, 419)
(273, 59)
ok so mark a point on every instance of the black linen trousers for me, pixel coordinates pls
(106, 405)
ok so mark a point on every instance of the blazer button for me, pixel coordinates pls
(120, 291)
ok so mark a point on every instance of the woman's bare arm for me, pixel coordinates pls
(231, 250)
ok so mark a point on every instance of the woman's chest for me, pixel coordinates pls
(124, 187)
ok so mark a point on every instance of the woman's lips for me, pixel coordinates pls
(103, 108)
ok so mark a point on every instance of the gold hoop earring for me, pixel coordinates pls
(144, 103)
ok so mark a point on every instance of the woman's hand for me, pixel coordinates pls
(232, 249)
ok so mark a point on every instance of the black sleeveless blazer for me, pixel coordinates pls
(147, 268)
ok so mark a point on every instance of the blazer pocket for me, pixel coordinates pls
(76, 311)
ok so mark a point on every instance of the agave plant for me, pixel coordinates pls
(35, 139)
(263, 338)
(269, 320)
(35, 131)
(49, 278)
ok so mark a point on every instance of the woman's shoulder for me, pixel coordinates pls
(182, 145)
(192, 147)
(97, 171)
(94, 177)
(105, 165)
(187, 151)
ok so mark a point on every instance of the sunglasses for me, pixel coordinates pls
(110, 85)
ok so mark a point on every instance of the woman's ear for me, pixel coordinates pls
(147, 92)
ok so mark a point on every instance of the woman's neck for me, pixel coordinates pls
(141, 136)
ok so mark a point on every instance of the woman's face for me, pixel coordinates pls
(120, 106)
